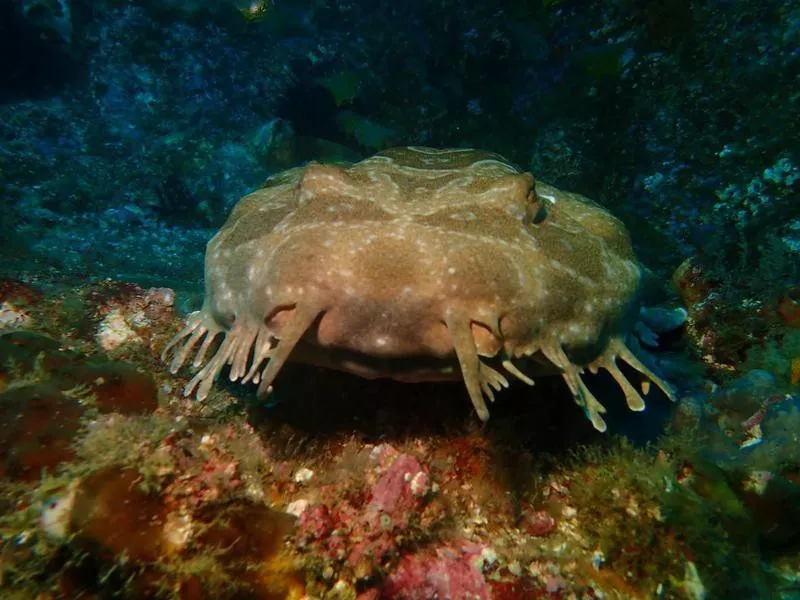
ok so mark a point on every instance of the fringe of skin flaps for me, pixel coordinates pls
(256, 355)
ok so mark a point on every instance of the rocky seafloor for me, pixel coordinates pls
(129, 129)
(115, 484)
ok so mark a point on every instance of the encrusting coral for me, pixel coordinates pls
(418, 264)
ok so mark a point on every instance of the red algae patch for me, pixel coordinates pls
(114, 385)
(46, 392)
(111, 516)
(444, 573)
(38, 424)
(142, 536)
(28, 350)
(158, 507)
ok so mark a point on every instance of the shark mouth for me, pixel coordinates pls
(256, 354)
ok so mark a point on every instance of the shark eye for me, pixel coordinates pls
(539, 215)
(537, 209)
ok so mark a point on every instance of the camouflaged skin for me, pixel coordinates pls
(418, 264)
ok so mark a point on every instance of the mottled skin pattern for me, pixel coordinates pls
(418, 264)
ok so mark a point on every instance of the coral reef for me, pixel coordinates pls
(159, 496)
(734, 333)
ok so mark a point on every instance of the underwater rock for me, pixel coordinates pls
(126, 313)
(109, 314)
(49, 18)
(773, 500)
(398, 492)
(315, 523)
(539, 523)
(38, 424)
(182, 507)
(115, 331)
(736, 403)
(12, 317)
(442, 572)
(235, 548)
(109, 515)
(691, 283)
(27, 352)
(278, 147)
(45, 391)
(396, 504)
(749, 462)
(789, 307)
(733, 332)
(16, 301)
(379, 523)
(113, 385)
(108, 385)
(764, 466)
(654, 321)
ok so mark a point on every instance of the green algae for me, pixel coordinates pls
(658, 514)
